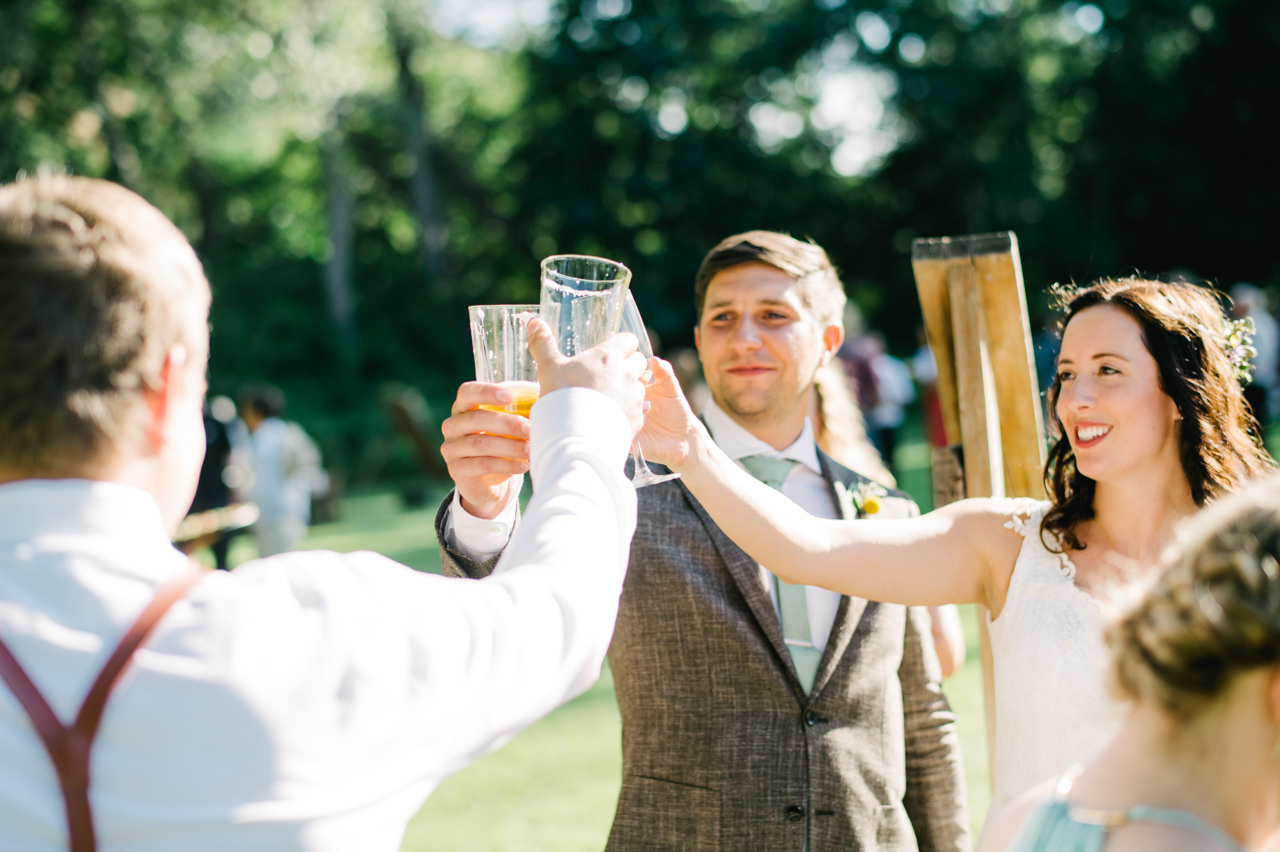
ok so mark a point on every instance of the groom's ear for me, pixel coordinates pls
(832, 339)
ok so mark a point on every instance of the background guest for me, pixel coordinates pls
(285, 471)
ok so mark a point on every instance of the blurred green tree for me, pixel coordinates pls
(354, 178)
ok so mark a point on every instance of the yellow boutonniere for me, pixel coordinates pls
(869, 497)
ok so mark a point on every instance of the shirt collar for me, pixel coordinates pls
(32, 508)
(737, 442)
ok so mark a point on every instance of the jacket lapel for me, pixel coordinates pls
(746, 572)
(850, 611)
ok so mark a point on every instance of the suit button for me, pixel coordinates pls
(795, 813)
(810, 718)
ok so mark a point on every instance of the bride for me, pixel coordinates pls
(1152, 424)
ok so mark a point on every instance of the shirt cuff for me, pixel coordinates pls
(481, 539)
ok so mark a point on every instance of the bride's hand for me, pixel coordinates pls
(670, 426)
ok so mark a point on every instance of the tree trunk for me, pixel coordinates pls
(337, 269)
(424, 190)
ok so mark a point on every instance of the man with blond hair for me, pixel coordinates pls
(310, 701)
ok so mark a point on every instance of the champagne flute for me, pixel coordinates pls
(632, 323)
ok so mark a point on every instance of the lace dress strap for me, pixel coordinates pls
(1025, 517)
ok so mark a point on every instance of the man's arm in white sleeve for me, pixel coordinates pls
(428, 672)
(540, 625)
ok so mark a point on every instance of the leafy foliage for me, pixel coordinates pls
(354, 179)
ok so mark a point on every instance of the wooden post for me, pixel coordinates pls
(975, 313)
(975, 384)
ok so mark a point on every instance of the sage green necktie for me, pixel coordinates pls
(792, 602)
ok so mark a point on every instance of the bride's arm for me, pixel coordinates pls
(939, 558)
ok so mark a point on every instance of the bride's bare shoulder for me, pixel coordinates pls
(996, 527)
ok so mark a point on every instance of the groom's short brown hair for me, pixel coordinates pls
(805, 261)
(96, 286)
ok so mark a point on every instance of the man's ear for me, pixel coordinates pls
(697, 340)
(832, 339)
(161, 400)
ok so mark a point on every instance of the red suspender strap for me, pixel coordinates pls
(69, 745)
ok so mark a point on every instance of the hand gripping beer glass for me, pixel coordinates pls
(500, 345)
(584, 299)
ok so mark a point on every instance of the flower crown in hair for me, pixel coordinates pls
(1238, 335)
(1060, 295)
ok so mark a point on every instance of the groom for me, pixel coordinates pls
(742, 729)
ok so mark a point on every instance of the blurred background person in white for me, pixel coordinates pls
(285, 471)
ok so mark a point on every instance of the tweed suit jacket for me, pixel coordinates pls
(722, 749)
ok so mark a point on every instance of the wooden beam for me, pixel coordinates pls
(975, 384)
(996, 263)
(975, 313)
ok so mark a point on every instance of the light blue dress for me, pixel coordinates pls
(1059, 826)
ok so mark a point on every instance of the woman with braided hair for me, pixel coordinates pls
(1150, 425)
(1196, 764)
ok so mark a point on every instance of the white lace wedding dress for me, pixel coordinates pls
(1053, 709)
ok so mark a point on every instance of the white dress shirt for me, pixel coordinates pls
(310, 701)
(481, 539)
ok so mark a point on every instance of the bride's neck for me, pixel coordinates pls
(1137, 521)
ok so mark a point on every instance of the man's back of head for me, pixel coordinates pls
(96, 287)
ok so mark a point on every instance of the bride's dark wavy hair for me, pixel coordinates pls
(1183, 327)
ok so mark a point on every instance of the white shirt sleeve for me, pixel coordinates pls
(541, 623)
(480, 538)
(470, 662)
